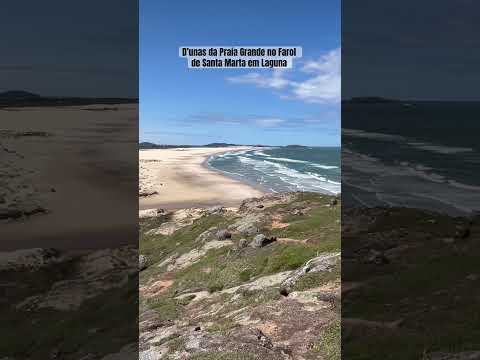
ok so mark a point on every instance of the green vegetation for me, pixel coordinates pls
(221, 356)
(316, 279)
(329, 345)
(430, 287)
(50, 326)
(304, 227)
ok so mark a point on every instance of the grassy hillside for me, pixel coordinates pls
(241, 283)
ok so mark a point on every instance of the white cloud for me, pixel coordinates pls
(323, 84)
(274, 81)
(269, 122)
(328, 63)
(264, 121)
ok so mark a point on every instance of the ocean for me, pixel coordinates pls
(421, 154)
(280, 169)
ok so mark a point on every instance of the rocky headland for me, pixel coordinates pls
(258, 281)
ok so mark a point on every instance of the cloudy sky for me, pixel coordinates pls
(278, 107)
(76, 48)
(410, 49)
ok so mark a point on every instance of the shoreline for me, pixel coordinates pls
(232, 176)
(181, 178)
(262, 188)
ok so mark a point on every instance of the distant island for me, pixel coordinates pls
(295, 146)
(369, 100)
(20, 98)
(150, 145)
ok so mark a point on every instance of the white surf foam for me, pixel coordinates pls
(294, 178)
(407, 183)
(439, 149)
(425, 146)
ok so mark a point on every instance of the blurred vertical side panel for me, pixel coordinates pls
(68, 193)
(410, 180)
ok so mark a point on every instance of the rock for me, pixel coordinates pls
(325, 262)
(29, 259)
(247, 229)
(448, 240)
(462, 231)
(142, 262)
(248, 224)
(375, 257)
(260, 206)
(206, 235)
(243, 243)
(266, 201)
(94, 274)
(148, 213)
(223, 234)
(147, 193)
(263, 339)
(333, 202)
(127, 352)
(217, 210)
(467, 355)
(298, 212)
(15, 213)
(167, 228)
(261, 240)
(150, 354)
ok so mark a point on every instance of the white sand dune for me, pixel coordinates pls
(179, 178)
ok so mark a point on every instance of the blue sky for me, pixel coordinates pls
(244, 106)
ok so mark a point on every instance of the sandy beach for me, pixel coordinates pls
(71, 171)
(179, 178)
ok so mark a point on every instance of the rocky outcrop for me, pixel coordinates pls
(94, 274)
(325, 262)
(213, 288)
(142, 262)
(261, 240)
(29, 259)
(467, 355)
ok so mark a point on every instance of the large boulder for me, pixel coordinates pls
(207, 234)
(247, 229)
(248, 225)
(29, 259)
(467, 355)
(142, 262)
(217, 210)
(243, 243)
(261, 240)
(223, 234)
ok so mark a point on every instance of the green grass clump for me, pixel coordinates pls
(245, 275)
(232, 269)
(329, 345)
(222, 326)
(319, 226)
(159, 247)
(167, 307)
(316, 279)
(289, 258)
(221, 356)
